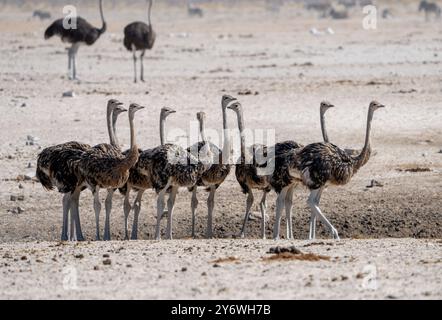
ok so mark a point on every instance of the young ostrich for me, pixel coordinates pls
(114, 109)
(58, 165)
(218, 172)
(173, 167)
(107, 168)
(83, 33)
(316, 166)
(139, 36)
(247, 173)
(140, 180)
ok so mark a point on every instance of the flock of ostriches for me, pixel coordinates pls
(73, 167)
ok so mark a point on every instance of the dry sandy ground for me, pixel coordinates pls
(194, 62)
(221, 269)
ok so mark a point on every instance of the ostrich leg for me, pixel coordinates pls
(160, 211)
(126, 209)
(137, 208)
(142, 65)
(135, 64)
(210, 206)
(288, 212)
(74, 61)
(194, 206)
(108, 207)
(248, 208)
(263, 206)
(76, 215)
(280, 201)
(312, 234)
(97, 209)
(170, 207)
(70, 63)
(313, 202)
(64, 228)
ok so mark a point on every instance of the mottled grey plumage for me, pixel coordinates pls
(139, 36)
(217, 173)
(83, 33)
(430, 7)
(140, 178)
(105, 166)
(315, 166)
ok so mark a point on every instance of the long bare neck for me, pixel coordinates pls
(226, 145)
(163, 130)
(203, 130)
(103, 23)
(364, 156)
(323, 128)
(110, 127)
(114, 129)
(149, 13)
(133, 144)
(241, 134)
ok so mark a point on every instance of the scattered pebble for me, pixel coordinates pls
(374, 183)
(106, 255)
(79, 256)
(184, 269)
(96, 268)
(107, 262)
(13, 198)
(278, 250)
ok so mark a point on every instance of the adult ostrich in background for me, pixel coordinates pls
(218, 172)
(139, 36)
(106, 167)
(84, 33)
(140, 178)
(315, 166)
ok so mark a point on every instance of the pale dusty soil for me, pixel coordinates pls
(398, 269)
(228, 51)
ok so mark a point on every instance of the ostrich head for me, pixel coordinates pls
(235, 107)
(325, 105)
(134, 107)
(374, 105)
(113, 104)
(119, 110)
(166, 112)
(201, 116)
(226, 99)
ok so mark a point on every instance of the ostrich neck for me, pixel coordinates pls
(203, 131)
(226, 145)
(149, 12)
(103, 27)
(114, 129)
(133, 144)
(323, 128)
(241, 135)
(363, 157)
(110, 127)
(163, 130)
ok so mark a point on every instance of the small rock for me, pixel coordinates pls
(184, 269)
(21, 198)
(24, 258)
(128, 266)
(79, 256)
(96, 268)
(203, 274)
(216, 265)
(13, 198)
(30, 165)
(107, 262)
(20, 186)
(105, 255)
(23, 105)
(69, 94)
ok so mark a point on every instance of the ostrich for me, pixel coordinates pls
(139, 179)
(315, 166)
(83, 33)
(217, 173)
(106, 167)
(429, 7)
(139, 36)
(194, 11)
(173, 167)
(247, 173)
(57, 165)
